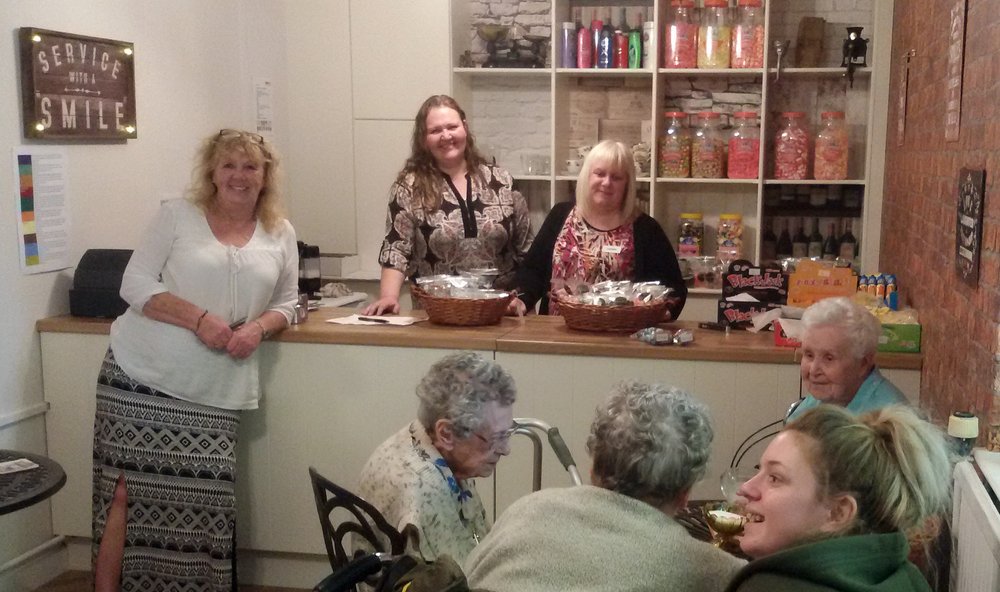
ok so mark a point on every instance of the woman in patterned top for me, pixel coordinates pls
(421, 478)
(449, 209)
(602, 236)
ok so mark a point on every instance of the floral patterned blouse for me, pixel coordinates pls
(583, 252)
(413, 487)
(488, 229)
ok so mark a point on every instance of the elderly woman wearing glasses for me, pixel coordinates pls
(649, 445)
(213, 276)
(421, 477)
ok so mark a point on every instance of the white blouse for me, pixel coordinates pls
(179, 254)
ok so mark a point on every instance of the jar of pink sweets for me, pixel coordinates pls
(830, 162)
(791, 147)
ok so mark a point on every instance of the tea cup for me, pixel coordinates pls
(573, 165)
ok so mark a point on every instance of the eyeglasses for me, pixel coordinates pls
(255, 138)
(498, 439)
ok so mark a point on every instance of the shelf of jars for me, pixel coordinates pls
(503, 71)
(718, 72)
(602, 72)
(831, 71)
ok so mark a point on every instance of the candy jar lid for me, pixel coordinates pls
(832, 115)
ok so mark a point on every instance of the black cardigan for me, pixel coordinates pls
(654, 260)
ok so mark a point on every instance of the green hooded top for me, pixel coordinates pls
(861, 563)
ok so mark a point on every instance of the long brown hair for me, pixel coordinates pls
(426, 175)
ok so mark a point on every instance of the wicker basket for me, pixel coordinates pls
(466, 312)
(586, 317)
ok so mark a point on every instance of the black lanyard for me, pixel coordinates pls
(468, 216)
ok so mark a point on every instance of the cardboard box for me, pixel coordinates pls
(812, 281)
(738, 314)
(900, 338)
(781, 339)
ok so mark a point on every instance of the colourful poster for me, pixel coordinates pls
(42, 208)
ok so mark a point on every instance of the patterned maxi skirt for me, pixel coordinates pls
(179, 460)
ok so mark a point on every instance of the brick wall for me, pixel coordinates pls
(961, 335)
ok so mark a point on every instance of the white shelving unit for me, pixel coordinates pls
(812, 90)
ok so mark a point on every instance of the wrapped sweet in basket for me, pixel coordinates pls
(448, 301)
(619, 308)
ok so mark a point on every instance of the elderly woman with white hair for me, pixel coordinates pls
(420, 479)
(649, 445)
(838, 359)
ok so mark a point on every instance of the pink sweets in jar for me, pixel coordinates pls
(791, 147)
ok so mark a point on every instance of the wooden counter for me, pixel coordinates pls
(533, 334)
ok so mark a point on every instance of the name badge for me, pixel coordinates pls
(612, 249)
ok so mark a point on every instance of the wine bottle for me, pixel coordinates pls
(815, 240)
(848, 244)
(784, 246)
(768, 244)
(831, 248)
(800, 242)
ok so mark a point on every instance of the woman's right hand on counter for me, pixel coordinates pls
(384, 305)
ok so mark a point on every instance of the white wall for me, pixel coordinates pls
(194, 60)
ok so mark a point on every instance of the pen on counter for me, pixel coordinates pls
(373, 320)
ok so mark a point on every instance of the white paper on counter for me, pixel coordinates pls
(742, 297)
(761, 321)
(356, 320)
(793, 328)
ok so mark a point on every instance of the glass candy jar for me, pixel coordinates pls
(675, 146)
(691, 234)
(791, 147)
(729, 237)
(708, 148)
(714, 35)
(744, 146)
(830, 161)
(747, 49)
(680, 39)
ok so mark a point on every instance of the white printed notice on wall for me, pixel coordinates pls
(264, 107)
(42, 209)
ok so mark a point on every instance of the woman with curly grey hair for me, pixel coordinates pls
(421, 477)
(838, 359)
(649, 445)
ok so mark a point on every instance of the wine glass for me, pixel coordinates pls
(732, 479)
(724, 523)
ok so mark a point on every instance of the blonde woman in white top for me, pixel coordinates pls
(214, 277)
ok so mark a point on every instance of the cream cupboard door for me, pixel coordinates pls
(318, 156)
(380, 149)
(399, 56)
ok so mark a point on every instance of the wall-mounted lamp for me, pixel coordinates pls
(963, 428)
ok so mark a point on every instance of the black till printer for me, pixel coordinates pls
(96, 283)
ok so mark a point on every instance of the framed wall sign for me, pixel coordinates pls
(953, 83)
(969, 229)
(76, 87)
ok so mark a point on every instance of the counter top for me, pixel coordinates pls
(532, 334)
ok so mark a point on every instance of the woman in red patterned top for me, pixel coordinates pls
(601, 236)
